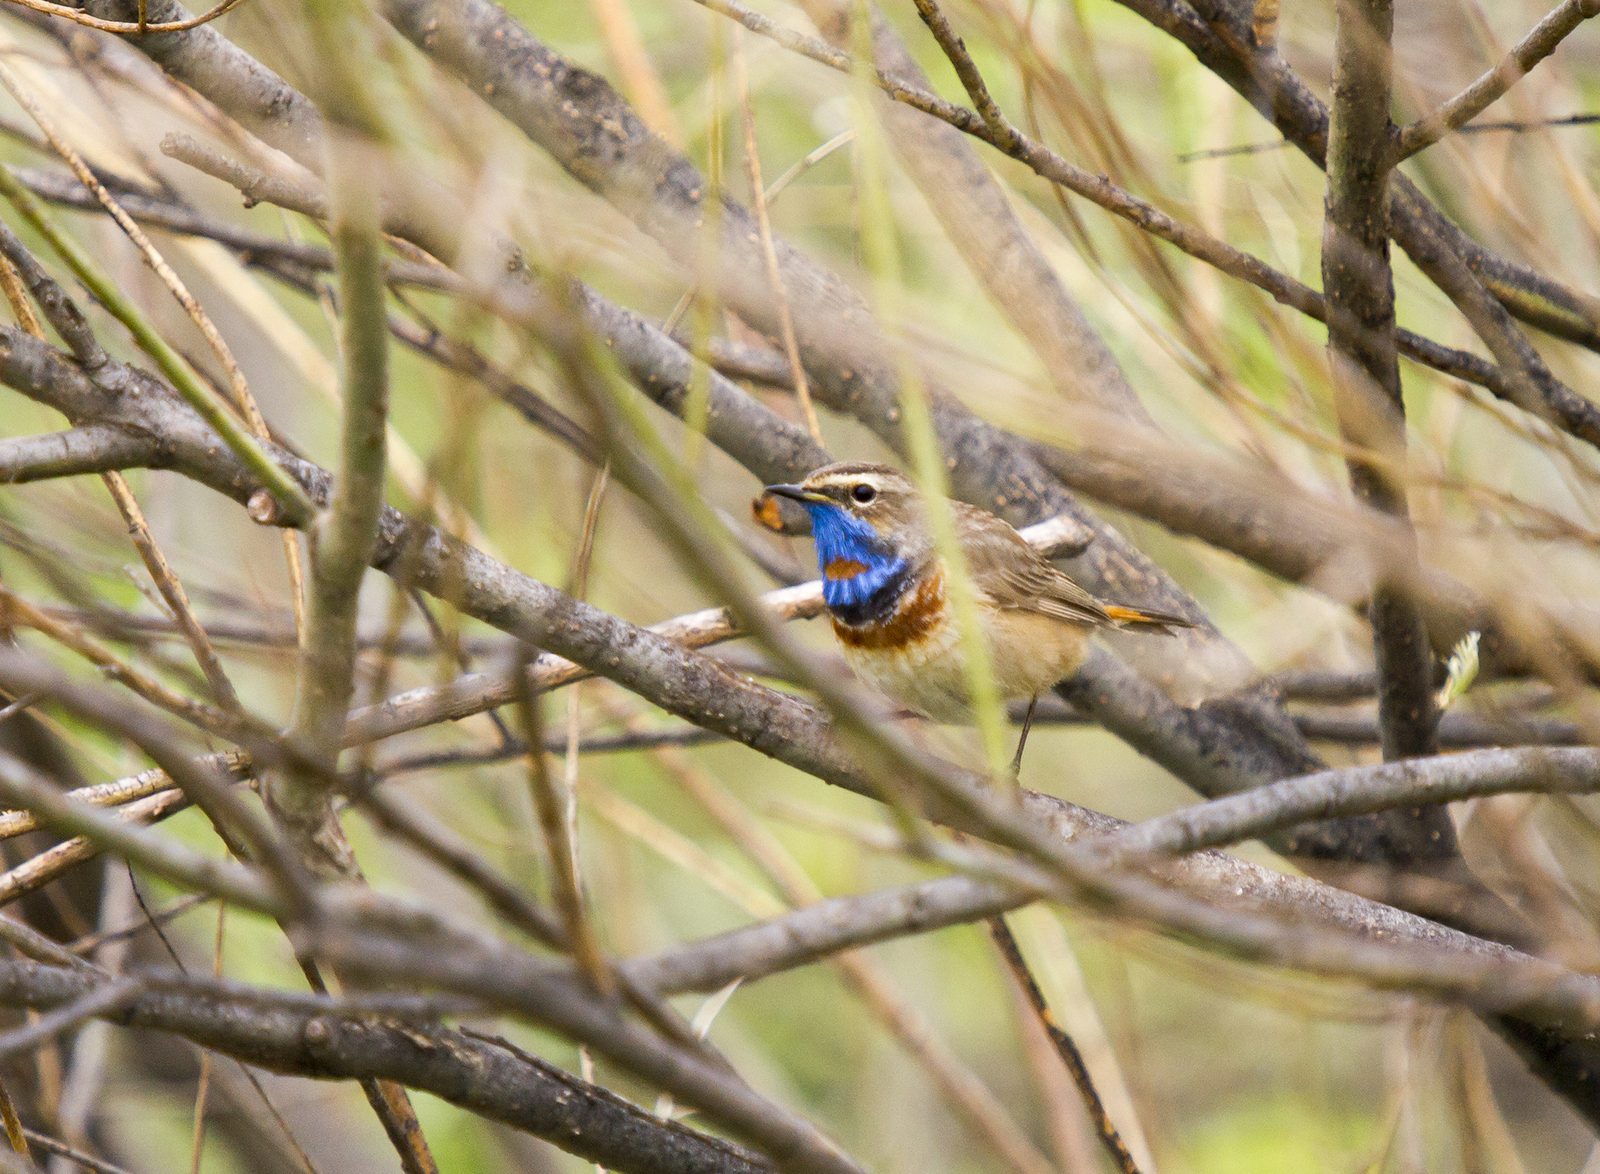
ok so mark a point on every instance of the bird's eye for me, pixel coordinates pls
(863, 493)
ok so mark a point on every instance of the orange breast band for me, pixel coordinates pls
(917, 617)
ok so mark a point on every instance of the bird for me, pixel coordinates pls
(887, 590)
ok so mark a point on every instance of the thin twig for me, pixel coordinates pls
(1487, 89)
(1002, 134)
(1512, 125)
(578, 586)
(1065, 1047)
(19, 613)
(62, 1150)
(90, 942)
(172, 591)
(434, 841)
(106, 997)
(1568, 410)
(140, 629)
(284, 487)
(795, 170)
(552, 821)
(140, 26)
(553, 744)
(203, 1084)
(752, 162)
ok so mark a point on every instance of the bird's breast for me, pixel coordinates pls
(916, 615)
(915, 652)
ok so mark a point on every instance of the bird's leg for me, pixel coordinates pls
(1027, 724)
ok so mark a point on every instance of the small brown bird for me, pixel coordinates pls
(886, 587)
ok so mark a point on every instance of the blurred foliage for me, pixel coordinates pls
(1228, 1068)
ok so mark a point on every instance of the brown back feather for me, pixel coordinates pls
(1014, 575)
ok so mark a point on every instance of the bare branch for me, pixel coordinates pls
(1535, 389)
(1116, 1149)
(97, 1003)
(304, 1037)
(140, 27)
(1488, 89)
(196, 392)
(22, 786)
(92, 448)
(113, 794)
(1358, 790)
(820, 930)
(179, 218)
(345, 538)
(577, 932)
(752, 157)
(1363, 360)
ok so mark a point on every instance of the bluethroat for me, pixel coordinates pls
(885, 585)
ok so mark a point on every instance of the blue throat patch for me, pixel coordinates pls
(872, 591)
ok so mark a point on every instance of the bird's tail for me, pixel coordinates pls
(1138, 617)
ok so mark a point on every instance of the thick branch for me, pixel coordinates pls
(1361, 352)
(94, 448)
(23, 787)
(344, 538)
(483, 1076)
(1358, 790)
(586, 126)
(1223, 42)
(1527, 384)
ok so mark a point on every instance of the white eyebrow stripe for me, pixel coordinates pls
(876, 480)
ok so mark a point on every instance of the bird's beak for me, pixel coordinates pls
(800, 494)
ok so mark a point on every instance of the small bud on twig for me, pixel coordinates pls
(263, 508)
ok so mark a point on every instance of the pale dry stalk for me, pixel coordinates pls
(752, 162)
(138, 529)
(962, 1087)
(243, 399)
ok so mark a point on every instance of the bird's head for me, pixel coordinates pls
(869, 525)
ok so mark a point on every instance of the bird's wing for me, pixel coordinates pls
(1014, 575)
